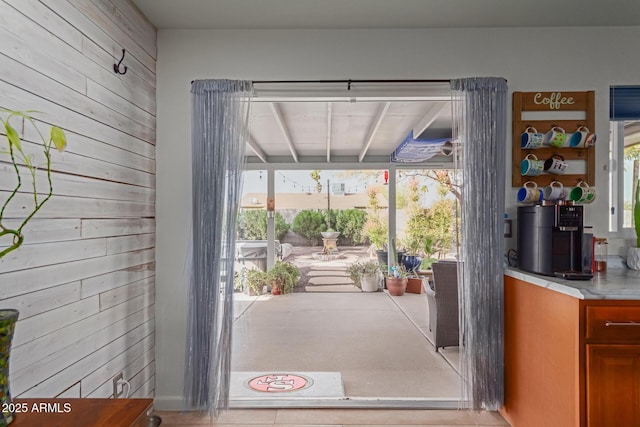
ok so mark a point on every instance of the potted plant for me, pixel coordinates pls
(411, 258)
(429, 250)
(255, 281)
(633, 256)
(397, 280)
(283, 277)
(365, 275)
(11, 236)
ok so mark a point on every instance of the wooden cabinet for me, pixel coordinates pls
(570, 362)
(613, 385)
(612, 365)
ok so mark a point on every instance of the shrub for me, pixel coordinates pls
(350, 223)
(309, 224)
(253, 225)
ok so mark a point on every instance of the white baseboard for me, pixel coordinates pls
(168, 403)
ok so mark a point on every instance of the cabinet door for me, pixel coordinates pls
(613, 385)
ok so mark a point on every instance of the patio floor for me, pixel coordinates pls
(377, 344)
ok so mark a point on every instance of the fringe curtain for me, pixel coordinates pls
(219, 132)
(479, 119)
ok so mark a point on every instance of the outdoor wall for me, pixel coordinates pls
(542, 59)
(84, 279)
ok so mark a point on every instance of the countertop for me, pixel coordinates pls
(614, 284)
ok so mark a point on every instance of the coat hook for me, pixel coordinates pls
(116, 67)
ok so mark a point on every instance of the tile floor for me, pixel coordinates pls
(335, 418)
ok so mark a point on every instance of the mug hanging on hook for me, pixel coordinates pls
(116, 67)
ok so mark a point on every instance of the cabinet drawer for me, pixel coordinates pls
(613, 323)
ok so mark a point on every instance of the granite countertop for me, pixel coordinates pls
(615, 283)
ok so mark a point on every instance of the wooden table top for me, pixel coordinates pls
(81, 412)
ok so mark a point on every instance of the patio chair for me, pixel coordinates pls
(443, 304)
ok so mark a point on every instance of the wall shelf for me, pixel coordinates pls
(553, 103)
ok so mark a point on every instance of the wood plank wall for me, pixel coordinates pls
(84, 280)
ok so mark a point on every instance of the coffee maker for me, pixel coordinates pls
(551, 241)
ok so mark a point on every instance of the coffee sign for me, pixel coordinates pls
(553, 101)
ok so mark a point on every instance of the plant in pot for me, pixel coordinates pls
(283, 277)
(397, 280)
(429, 250)
(255, 281)
(411, 258)
(633, 256)
(365, 275)
(11, 229)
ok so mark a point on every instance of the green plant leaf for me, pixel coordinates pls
(12, 135)
(58, 137)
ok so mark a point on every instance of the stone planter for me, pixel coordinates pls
(369, 283)
(633, 258)
(330, 234)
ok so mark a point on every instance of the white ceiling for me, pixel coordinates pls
(281, 14)
(340, 130)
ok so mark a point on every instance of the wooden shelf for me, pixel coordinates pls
(524, 102)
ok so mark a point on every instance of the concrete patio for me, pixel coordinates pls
(378, 344)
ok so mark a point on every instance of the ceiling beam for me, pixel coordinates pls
(432, 114)
(256, 149)
(285, 130)
(373, 129)
(329, 114)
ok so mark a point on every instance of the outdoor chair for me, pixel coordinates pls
(443, 304)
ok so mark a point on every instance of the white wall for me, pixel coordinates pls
(84, 279)
(567, 59)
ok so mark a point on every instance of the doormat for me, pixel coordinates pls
(285, 385)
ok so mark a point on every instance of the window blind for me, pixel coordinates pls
(624, 103)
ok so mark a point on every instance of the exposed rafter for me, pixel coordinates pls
(285, 130)
(329, 116)
(256, 149)
(373, 129)
(432, 114)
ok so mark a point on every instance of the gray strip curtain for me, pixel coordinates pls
(480, 116)
(219, 131)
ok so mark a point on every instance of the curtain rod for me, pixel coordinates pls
(349, 81)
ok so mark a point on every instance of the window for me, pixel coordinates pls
(625, 153)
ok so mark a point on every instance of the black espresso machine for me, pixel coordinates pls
(551, 241)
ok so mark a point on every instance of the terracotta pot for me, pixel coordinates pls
(414, 285)
(275, 288)
(395, 286)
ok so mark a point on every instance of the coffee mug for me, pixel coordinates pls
(529, 193)
(556, 137)
(531, 166)
(582, 193)
(555, 164)
(582, 138)
(531, 138)
(555, 191)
